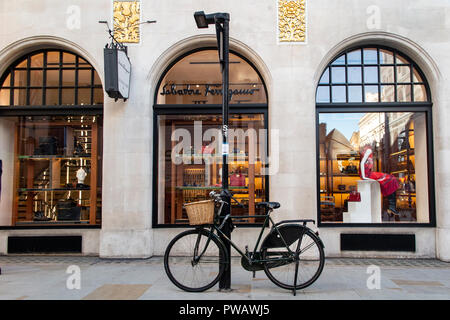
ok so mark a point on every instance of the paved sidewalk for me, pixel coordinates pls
(46, 278)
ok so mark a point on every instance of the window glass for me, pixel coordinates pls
(404, 93)
(403, 74)
(354, 57)
(323, 94)
(387, 75)
(190, 163)
(373, 167)
(371, 75)
(325, 77)
(370, 56)
(354, 75)
(68, 96)
(52, 78)
(386, 57)
(338, 94)
(35, 97)
(338, 74)
(37, 60)
(20, 97)
(36, 78)
(20, 78)
(5, 97)
(355, 94)
(420, 93)
(371, 93)
(53, 58)
(196, 79)
(387, 93)
(84, 96)
(84, 78)
(51, 97)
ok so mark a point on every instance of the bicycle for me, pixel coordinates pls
(291, 255)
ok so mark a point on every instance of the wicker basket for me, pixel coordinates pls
(200, 212)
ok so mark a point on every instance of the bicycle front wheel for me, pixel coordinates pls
(306, 265)
(194, 260)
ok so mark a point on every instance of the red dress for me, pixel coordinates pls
(388, 183)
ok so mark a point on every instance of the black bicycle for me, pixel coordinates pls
(291, 255)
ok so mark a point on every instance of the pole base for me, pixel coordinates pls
(226, 290)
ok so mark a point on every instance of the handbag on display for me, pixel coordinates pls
(237, 180)
(47, 146)
(354, 196)
(351, 169)
(341, 187)
(67, 209)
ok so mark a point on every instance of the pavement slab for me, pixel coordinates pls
(49, 278)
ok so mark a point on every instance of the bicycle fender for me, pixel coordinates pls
(290, 233)
(320, 240)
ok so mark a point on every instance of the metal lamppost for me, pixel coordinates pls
(221, 20)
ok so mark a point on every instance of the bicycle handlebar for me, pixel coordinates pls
(219, 197)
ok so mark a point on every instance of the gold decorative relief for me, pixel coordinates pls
(292, 20)
(126, 21)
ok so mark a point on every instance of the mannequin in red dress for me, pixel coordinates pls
(388, 183)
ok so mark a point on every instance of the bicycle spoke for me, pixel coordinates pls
(189, 272)
(310, 263)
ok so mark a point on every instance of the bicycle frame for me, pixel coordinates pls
(250, 258)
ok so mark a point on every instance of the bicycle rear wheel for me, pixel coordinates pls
(194, 260)
(310, 261)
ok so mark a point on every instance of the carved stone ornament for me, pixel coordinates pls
(126, 21)
(292, 20)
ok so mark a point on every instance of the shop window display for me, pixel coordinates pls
(190, 163)
(386, 149)
(51, 104)
(58, 172)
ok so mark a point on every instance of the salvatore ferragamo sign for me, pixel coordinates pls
(205, 90)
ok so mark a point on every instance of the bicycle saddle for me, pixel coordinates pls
(270, 205)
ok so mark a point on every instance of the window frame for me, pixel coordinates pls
(386, 107)
(195, 109)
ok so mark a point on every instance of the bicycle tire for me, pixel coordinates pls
(315, 261)
(178, 260)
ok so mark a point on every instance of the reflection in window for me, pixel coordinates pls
(399, 158)
(190, 163)
(378, 71)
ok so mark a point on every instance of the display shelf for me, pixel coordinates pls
(345, 175)
(59, 157)
(209, 188)
(51, 189)
(37, 223)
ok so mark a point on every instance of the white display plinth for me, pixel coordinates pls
(368, 210)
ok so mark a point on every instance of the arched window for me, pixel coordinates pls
(188, 118)
(48, 78)
(373, 110)
(371, 75)
(51, 107)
